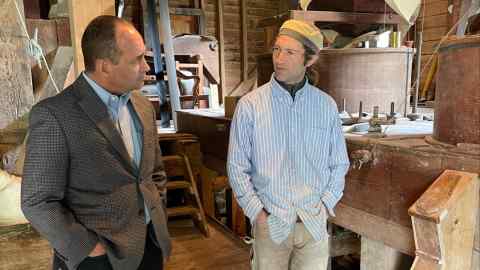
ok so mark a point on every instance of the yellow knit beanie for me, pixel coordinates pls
(306, 33)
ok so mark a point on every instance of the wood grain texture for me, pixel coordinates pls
(24, 249)
(81, 13)
(443, 222)
(192, 251)
(16, 92)
(376, 197)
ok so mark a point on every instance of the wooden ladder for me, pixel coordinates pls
(181, 177)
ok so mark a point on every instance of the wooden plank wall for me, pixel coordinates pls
(436, 22)
(256, 9)
(133, 12)
(81, 14)
(232, 31)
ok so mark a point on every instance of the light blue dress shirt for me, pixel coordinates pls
(114, 105)
(287, 156)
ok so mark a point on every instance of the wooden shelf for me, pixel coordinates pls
(333, 16)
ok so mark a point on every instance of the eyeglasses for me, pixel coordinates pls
(290, 52)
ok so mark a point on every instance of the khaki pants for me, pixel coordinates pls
(299, 252)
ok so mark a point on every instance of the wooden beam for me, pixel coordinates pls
(82, 12)
(272, 20)
(244, 41)
(375, 228)
(186, 11)
(203, 4)
(15, 76)
(166, 40)
(377, 256)
(197, 12)
(345, 17)
(202, 26)
(221, 43)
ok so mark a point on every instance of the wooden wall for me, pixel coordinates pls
(256, 9)
(436, 21)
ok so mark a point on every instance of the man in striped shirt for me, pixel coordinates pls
(287, 157)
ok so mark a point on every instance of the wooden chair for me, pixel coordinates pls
(190, 100)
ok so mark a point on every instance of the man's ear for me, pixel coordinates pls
(312, 60)
(105, 65)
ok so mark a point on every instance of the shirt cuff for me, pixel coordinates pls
(253, 208)
(329, 201)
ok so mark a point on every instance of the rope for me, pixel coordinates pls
(33, 48)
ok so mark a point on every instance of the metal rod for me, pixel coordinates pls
(375, 112)
(121, 6)
(166, 39)
(407, 83)
(360, 110)
(153, 40)
(418, 69)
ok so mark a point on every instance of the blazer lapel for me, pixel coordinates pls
(145, 120)
(96, 110)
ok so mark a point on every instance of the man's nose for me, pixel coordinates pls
(280, 57)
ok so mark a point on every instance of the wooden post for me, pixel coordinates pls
(16, 93)
(377, 256)
(244, 41)
(166, 40)
(443, 220)
(476, 260)
(221, 43)
(200, 4)
(82, 12)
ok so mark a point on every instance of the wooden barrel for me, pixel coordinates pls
(375, 76)
(457, 98)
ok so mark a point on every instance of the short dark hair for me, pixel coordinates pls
(309, 54)
(310, 72)
(99, 41)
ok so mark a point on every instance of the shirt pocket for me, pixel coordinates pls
(316, 143)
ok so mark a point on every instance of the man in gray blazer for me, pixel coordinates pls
(94, 181)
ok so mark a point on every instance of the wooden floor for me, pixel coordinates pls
(193, 251)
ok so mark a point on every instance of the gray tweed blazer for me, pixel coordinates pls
(80, 185)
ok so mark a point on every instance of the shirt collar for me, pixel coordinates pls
(280, 92)
(111, 101)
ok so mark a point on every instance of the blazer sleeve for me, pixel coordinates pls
(159, 175)
(45, 178)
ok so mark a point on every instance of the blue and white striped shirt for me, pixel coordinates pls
(287, 156)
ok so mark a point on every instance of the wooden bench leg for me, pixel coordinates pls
(377, 256)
